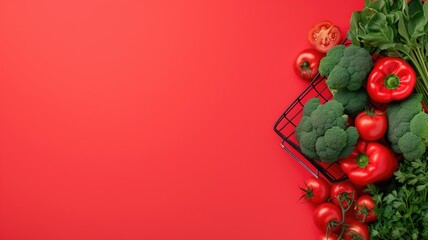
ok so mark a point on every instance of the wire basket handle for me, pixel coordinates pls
(314, 173)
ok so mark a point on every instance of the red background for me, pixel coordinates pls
(152, 119)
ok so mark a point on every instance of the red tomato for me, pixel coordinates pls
(316, 190)
(364, 209)
(307, 63)
(323, 36)
(330, 236)
(371, 125)
(327, 216)
(356, 230)
(345, 191)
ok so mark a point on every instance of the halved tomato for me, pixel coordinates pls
(324, 35)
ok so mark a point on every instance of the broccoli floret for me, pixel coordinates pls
(402, 112)
(328, 115)
(304, 127)
(322, 132)
(310, 106)
(419, 126)
(408, 127)
(352, 138)
(335, 106)
(405, 110)
(346, 67)
(331, 60)
(338, 78)
(360, 65)
(412, 146)
(408, 108)
(396, 133)
(307, 144)
(353, 101)
(330, 145)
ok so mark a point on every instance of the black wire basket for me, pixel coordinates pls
(285, 127)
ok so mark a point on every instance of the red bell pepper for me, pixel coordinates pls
(369, 162)
(391, 79)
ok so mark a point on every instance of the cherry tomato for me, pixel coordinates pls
(307, 63)
(371, 125)
(323, 36)
(356, 230)
(316, 190)
(364, 209)
(345, 191)
(330, 236)
(327, 216)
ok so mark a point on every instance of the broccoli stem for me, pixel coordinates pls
(392, 81)
(362, 160)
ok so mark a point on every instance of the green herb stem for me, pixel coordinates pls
(422, 60)
(419, 62)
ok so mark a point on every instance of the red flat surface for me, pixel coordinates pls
(151, 119)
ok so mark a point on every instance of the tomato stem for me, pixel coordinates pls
(342, 223)
(369, 111)
(304, 65)
(364, 211)
(309, 193)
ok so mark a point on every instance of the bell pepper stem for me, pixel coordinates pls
(392, 81)
(362, 160)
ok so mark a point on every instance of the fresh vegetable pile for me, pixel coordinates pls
(375, 127)
(396, 29)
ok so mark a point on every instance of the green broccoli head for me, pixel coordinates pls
(353, 101)
(310, 106)
(322, 132)
(351, 140)
(359, 69)
(334, 106)
(412, 146)
(419, 126)
(350, 69)
(338, 78)
(331, 60)
(307, 144)
(303, 127)
(399, 116)
(394, 134)
(329, 146)
(408, 127)
(405, 110)
(305, 124)
(326, 116)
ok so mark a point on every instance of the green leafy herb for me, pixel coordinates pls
(402, 204)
